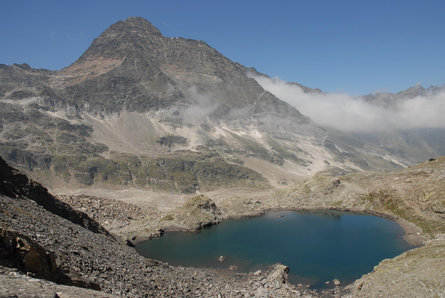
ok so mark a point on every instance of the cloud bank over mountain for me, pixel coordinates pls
(358, 114)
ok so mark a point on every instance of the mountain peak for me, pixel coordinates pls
(124, 37)
(135, 24)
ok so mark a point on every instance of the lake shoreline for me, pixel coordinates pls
(137, 232)
(271, 214)
(412, 234)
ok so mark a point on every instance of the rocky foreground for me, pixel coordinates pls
(50, 250)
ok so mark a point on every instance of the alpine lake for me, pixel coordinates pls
(317, 246)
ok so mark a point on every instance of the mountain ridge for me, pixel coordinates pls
(106, 119)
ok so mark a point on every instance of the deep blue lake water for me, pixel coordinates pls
(317, 246)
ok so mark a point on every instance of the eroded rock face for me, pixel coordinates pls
(19, 251)
(22, 252)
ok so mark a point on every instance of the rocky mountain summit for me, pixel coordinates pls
(141, 70)
(141, 110)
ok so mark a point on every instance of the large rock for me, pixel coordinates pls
(196, 213)
(278, 275)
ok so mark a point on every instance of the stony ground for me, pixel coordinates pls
(416, 273)
(14, 282)
(124, 219)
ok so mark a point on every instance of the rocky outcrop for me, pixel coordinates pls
(196, 213)
(275, 284)
(132, 224)
(22, 252)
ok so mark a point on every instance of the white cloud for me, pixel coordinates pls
(201, 107)
(348, 113)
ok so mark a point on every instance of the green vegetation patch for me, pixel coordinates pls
(168, 217)
(387, 201)
(182, 171)
(172, 140)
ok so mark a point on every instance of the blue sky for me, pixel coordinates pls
(356, 47)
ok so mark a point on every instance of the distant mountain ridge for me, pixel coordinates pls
(388, 98)
(418, 143)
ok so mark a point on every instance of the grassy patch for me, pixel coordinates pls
(172, 140)
(386, 201)
(168, 217)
